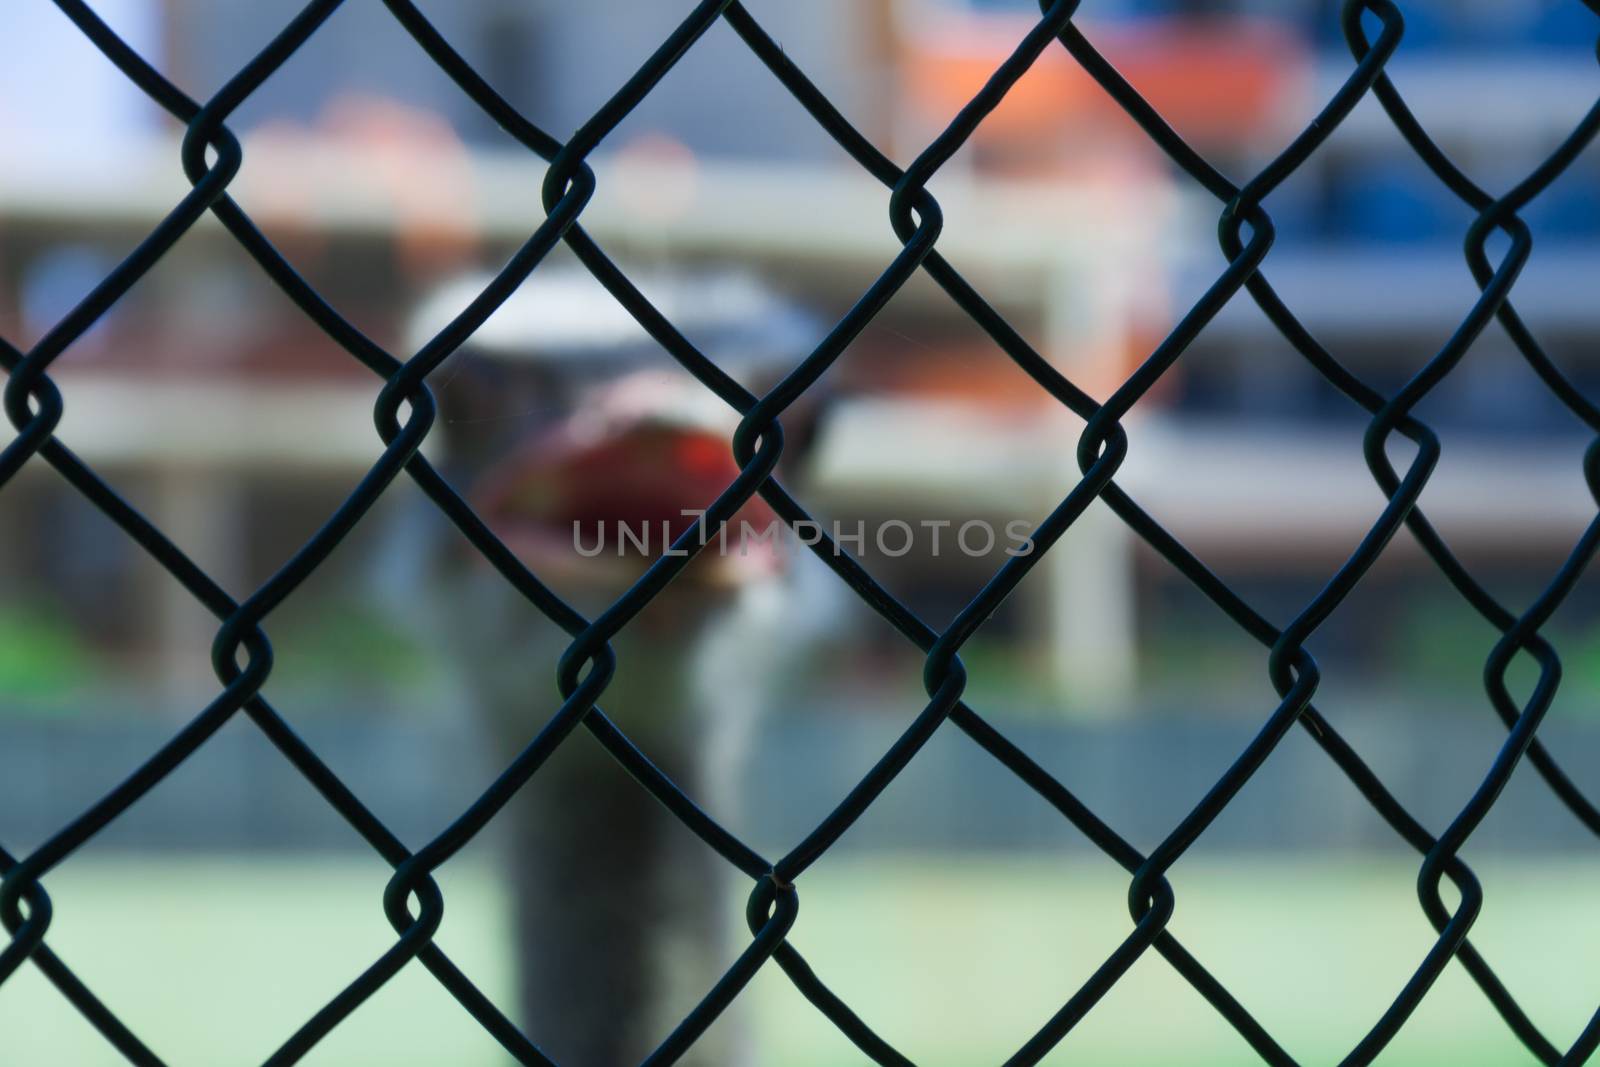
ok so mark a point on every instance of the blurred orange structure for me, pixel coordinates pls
(1225, 83)
(1219, 81)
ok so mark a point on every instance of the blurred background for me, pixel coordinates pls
(962, 910)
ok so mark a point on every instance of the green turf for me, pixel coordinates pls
(955, 960)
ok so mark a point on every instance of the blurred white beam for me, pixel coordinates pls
(227, 424)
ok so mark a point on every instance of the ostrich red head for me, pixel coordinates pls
(594, 498)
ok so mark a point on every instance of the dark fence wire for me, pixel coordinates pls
(404, 413)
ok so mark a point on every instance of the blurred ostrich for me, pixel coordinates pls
(622, 916)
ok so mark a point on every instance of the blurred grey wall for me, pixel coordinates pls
(556, 60)
(1140, 775)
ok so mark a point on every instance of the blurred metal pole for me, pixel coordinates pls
(1090, 629)
(200, 508)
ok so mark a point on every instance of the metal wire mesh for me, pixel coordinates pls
(404, 412)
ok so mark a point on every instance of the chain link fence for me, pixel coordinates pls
(404, 413)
